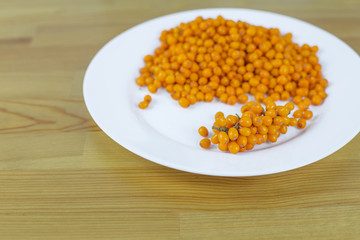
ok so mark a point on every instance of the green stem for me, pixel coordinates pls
(223, 129)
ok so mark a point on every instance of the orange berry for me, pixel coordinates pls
(243, 98)
(219, 114)
(253, 129)
(316, 100)
(251, 139)
(260, 139)
(283, 111)
(140, 81)
(283, 129)
(183, 102)
(205, 143)
(147, 98)
(307, 114)
(292, 122)
(221, 121)
(290, 106)
(245, 131)
(203, 131)
(231, 100)
(231, 120)
(257, 121)
(262, 129)
(272, 137)
(249, 146)
(223, 146)
(267, 120)
(298, 113)
(214, 138)
(278, 120)
(301, 123)
(271, 113)
(233, 134)
(223, 137)
(245, 122)
(273, 129)
(233, 147)
(143, 104)
(242, 141)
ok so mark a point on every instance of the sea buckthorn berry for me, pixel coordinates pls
(140, 81)
(223, 137)
(316, 100)
(192, 99)
(298, 113)
(270, 106)
(245, 131)
(245, 108)
(307, 114)
(262, 129)
(260, 139)
(152, 88)
(232, 100)
(307, 102)
(257, 121)
(301, 123)
(275, 96)
(292, 122)
(243, 98)
(278, 120)
(251, 139)
(272, 137)
(271, 113)
(283, 129)
(242, 141)
(203, 131)
(183, 102)
(205, 143)
(324, 82)
(221, 121)
(223, 146)
(290, 106)
(273, 129)
(297, 99)
(259, 96)
(219, 114)
(286, 120)
(249, 114)
(233, 134)
(253, 129)
(267, 120)
(245, 121)
(302, 105)
(143, 104)
(231, 120)
(214, 139)
(208, 97)
(283, 111)
(249, 146)
(233, 147)
(147, 98)
(257, 108)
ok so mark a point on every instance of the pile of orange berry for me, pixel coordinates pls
(255, 126)
(225, 59)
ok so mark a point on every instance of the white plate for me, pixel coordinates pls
(167, 134)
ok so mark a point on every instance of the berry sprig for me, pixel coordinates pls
(255, 126)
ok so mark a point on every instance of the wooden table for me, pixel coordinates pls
(61, 177)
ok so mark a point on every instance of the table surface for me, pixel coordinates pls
(61, 177)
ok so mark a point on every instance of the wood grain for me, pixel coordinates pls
(61, 177)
